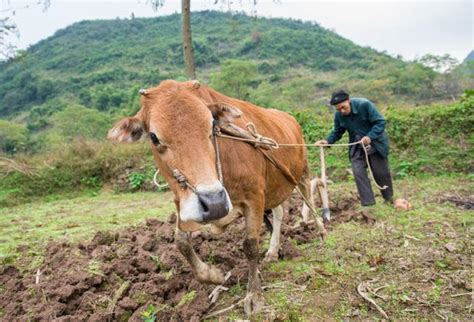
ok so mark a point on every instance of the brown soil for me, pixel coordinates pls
(117, 275)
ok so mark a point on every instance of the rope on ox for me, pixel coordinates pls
(259, 139)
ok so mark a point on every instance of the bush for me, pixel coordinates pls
(12, 137)
(77, 121)
(235, 78)
(78, 166)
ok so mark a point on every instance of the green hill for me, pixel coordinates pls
(469, 57)
(78, 81)
(100, 64)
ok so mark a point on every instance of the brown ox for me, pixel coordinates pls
(178, 118)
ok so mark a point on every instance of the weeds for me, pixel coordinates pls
(187, 298)
(157, 262)
(149, 314)
(136, 180)
(287, 307)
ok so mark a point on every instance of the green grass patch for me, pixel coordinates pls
(33, 224)
(398, 253)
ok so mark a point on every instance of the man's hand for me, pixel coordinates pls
(322, 143)
(366, 140)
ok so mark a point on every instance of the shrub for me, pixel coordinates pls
(12, 137)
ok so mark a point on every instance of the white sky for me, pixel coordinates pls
(409, 28)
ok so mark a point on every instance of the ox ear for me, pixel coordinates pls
(224, 112)
(129, 129)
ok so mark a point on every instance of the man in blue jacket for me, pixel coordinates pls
(360, 118)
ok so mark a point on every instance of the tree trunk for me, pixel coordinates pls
(187, 39)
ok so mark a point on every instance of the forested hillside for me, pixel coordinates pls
(101, 64)
(97, 63)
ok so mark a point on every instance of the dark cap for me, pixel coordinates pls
(338, 97)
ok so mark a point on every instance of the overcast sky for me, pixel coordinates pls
(408, 28)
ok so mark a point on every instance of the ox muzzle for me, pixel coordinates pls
(206, 203)
(213, 205)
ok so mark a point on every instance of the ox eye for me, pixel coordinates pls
(154, 138)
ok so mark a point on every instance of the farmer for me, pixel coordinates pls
(361, 119)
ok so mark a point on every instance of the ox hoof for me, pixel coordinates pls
(210, 275)
(253, 303)
(271, 257)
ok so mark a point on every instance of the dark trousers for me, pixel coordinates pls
(381, 171)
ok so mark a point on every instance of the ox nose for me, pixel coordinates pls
(213, 205)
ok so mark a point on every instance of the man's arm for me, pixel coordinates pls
(376, 120)
(337, 132)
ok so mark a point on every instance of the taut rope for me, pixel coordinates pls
(259, 139)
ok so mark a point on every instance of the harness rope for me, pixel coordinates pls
(259, 139)
(216, 132)
(257, 142)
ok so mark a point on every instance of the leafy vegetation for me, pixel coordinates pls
(430, 140)
(13, 137)
(77, 167)
(62, 95)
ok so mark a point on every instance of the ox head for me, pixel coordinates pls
(179, 127)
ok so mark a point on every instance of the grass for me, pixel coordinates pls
(403, 252)
(33, 224)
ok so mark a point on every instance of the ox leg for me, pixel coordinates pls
(254, 299)
(306, 185)
(306, 188)
(204, 273)
(272, 253)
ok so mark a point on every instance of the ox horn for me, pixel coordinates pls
(142, 91)
(196, 84)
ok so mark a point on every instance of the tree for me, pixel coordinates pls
(7, 28)
(78, 121)
(187, 38)
(414, 80)
(446, 65)
(187, 33)
(235, 78)
(441, 64)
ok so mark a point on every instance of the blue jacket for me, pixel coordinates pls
(364, 120)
